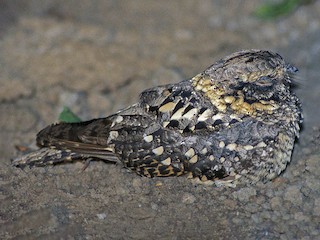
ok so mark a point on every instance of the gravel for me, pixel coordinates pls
(96, 57)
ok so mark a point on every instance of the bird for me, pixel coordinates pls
(236, 122)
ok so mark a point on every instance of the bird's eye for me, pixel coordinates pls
(264, 81)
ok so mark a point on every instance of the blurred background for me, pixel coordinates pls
(95, 57)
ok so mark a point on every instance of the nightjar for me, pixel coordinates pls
(236, 122)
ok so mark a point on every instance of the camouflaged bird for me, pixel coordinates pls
(235, 122)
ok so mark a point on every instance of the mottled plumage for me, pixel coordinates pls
(235, 122)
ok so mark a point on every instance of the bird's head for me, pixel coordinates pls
(247, 81)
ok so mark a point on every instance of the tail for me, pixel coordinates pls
(45, 156)
(65, 142)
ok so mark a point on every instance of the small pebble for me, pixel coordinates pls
(101, 216)
(188, 198)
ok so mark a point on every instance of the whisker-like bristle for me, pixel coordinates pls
(297, 80)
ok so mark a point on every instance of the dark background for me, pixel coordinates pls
(96, 57)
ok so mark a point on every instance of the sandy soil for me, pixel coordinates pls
(95, 57)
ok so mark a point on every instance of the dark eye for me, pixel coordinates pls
(264, 81)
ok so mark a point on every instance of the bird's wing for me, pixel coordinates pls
(181, 107)
(96, 138)
(85, 138)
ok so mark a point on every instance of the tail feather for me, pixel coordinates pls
(49, 156)
(45, 156)
(65, 142)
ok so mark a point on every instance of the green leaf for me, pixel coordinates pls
(68, 116)
(271, 11)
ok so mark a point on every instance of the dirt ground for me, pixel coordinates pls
(96, 57)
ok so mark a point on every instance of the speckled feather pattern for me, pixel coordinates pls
(235, 122)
